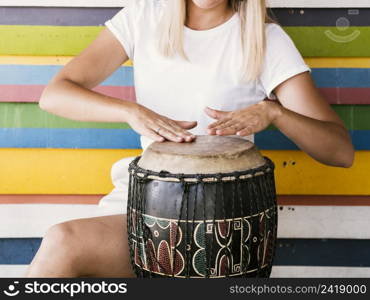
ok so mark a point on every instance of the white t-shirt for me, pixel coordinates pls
(181, 89)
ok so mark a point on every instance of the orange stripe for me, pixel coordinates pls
(285, 200)
(50, 199)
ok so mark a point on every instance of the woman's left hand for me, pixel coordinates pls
(243, 122)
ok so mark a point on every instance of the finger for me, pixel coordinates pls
(226, 131)
(246, 131)
(226, 124)
(181, 126)
(177, 130)
(215, 114)
(218, 123)
(186, 124)
(169, 135)
(234, 127)
(153, 136)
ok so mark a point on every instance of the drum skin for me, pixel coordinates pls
(202, 225)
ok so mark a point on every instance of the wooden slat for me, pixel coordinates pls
(96, 138)
(314, 62)
(58, 171)
(19, 271)
(319, 222)
(50, 199)
(29, 115)
(282, 200)
(63, 60)
(312, 41)
(32, 93)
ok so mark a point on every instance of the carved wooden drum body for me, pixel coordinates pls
(202, 209)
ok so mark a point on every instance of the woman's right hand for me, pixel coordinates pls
(157, 127)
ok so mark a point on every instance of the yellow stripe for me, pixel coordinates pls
(338, 62)
(87, 171)
(58, 171)
(324, 62)
(304, 176)
(39, 60)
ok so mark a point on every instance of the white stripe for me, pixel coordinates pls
(120, 3)
(348, 222)
(15, 271)
(12, 271)
(319, 272)
(32, 220)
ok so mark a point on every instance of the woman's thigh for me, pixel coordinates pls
(104, 240)
(90, 247)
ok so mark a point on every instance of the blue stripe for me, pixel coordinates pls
(128, 139)
(18, 251)
(36, 74)
(69, 138)
(289, 252)
(41, 75)
(343, 78)
(275, 140)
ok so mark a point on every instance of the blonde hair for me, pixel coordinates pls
(252, 15)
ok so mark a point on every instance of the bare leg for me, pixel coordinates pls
(91, 247)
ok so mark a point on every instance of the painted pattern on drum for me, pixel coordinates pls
(159, 254)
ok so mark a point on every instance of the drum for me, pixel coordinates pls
(205, 209)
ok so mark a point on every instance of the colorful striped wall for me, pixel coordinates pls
(54, 169)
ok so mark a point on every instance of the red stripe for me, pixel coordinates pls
(327, 200)
(32, 93)
(282, 200)
(358, 96)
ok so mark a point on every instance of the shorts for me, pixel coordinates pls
(116, 201)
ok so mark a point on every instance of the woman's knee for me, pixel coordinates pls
(58, 253)
(62, 240)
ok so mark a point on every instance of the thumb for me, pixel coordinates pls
(214, 113)
(186, 124)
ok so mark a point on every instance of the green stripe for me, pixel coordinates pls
(356, 117)
(71, 40)
(29, 115)
(46, 40)
(314, 41)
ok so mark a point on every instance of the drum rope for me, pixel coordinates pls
(242, 267)
(147, 233)
(213, 232)
(272, 192)
(233, 196)
(195, 203)
(205, 230)
(257, 196)
(129, 221)
(263, 189)
(174, 254)
(226, 240)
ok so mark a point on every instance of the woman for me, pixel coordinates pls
(201, 67)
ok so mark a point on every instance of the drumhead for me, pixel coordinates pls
(206, 155)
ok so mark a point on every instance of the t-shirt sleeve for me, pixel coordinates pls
(282, 60)
(122, 27)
